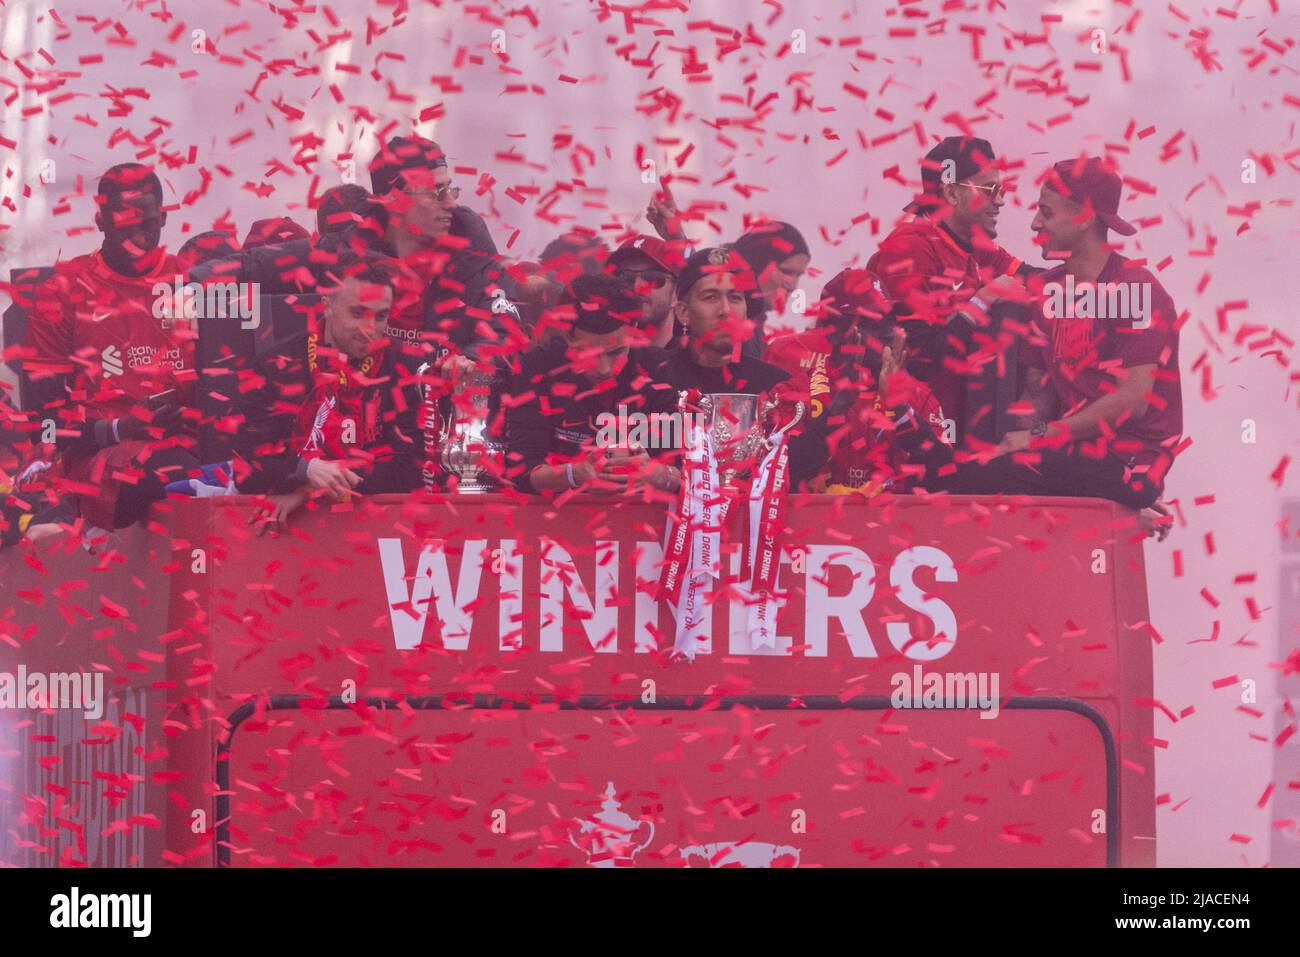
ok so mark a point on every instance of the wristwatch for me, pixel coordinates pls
(1039, 430)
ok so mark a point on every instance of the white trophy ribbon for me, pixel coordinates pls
(767, 495)
(694, 613)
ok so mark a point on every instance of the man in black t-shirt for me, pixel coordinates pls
(579, 412)
(711, 307)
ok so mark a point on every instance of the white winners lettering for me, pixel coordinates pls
(675, 566)
(820, 606)
(901, 577)
(408, 607)
(74, 909)
(608, 596)
(510, 594)
(560, 576)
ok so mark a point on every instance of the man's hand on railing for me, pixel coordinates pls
(664, 477)
(1156, 521)
(1015, 441)
(273, 517)
(617, 468)
(333, 477)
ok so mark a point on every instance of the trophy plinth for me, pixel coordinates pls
(463, 455)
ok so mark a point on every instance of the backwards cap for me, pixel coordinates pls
(954, 160)
(706, 262)
(403, 153)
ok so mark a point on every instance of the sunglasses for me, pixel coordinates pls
(996, 191)
(441, 193)
(654, 277)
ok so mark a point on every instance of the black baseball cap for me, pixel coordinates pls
(713, 260)
(602, 304)
(966, 156)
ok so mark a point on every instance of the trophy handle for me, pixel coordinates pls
(649, 838)
(794, 420)
(424, 368)
(581, 830)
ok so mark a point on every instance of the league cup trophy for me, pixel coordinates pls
(459, 442)
(735, 421)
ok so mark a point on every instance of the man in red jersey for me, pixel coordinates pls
(453, 311)
(945, 265)
(1109, 403)
(326, 410)
(849, 373)
(109, 365)
(1103, 394)
(450, 296)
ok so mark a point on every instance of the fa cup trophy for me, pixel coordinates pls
(458, 442)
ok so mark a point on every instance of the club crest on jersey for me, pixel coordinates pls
(501, 304)
(317, 439)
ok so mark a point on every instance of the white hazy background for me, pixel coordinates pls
(554, 111)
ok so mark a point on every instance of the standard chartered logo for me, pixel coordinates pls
(112, 361)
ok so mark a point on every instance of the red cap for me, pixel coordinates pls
(669, 255)
(1094, 184)
(267, 232)
(855, 293)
